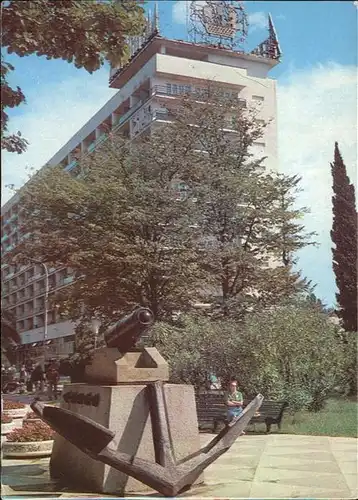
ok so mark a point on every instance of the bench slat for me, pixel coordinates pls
(211, 408)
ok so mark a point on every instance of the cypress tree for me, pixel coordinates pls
(344, 238)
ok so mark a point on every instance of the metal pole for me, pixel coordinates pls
(46, 303)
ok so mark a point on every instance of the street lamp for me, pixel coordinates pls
(95, 323)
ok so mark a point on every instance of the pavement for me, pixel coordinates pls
(256, 466)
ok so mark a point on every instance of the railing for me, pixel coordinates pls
(173, 89)
(71, 165)
(169, 89)
(127, 115)
(9, 248)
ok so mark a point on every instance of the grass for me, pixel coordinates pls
(338, 418)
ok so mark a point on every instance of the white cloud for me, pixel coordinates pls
(54, 113)
(257, 21)
(317, 107)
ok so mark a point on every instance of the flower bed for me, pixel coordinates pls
(33, 440)
(14, 409)
(13, 405)
(6, 419)
(31, 418)
(7, 424)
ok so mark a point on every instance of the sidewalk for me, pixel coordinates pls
(262, 466)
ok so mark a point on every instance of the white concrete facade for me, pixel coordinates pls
(162, 69)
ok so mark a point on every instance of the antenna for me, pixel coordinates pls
(156, 16)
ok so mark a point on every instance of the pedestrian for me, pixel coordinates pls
(37, 377)
(22, 379)
(29, 369)
(53, 377)
(234, 400)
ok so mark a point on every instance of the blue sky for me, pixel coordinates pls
(317, 96)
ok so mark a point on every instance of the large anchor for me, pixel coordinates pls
(167, 476)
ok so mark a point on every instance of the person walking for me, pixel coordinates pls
(22, 379)
(29, 369)
(37, 377)
(53, 377)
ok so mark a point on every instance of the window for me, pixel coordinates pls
(258, 98)
(20, 325)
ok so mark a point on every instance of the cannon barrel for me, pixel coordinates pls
(125, 333)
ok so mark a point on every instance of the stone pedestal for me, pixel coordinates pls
(109, 366)
(124, 410)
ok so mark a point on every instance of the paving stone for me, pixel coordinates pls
(215, 473)
(352, 482)
(267, 490)
(299, 464)
(237, 489)
(348, 467)
(302, 478)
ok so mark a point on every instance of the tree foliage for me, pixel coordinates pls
(83, 32)
(344, 237)
(131, 240)
(287, 353)
(245, 216)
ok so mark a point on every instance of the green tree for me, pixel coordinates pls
(119, 226)
(344, 237)
(83, 32)
(287, 353)
(248, 229)
(132, 241)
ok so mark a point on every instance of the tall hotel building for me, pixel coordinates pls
(158, 71)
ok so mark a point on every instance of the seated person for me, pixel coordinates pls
(233, 400)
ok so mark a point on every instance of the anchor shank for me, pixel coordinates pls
(163, 448)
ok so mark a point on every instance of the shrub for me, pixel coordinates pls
(38, 431)
(13, 405)
(290, 353)
(6, 419)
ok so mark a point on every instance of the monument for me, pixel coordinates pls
(126, 429)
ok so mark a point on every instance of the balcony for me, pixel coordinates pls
(9, 248)
(97, 142)
(174, 90)
(124, 118)
(169, 90)
(71, 166)
(68, 280)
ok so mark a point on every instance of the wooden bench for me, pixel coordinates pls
(212, 410)
(270, 412)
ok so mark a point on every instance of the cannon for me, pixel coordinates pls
(126, 332)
